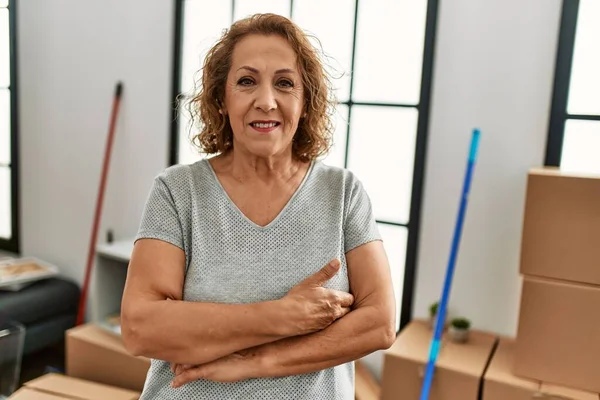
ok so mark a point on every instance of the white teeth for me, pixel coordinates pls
(263, 125)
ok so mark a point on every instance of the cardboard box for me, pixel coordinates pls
(60, 387)
(501, 384)
(561, 227)
(558, 337)
(100, 356)
(459, 368)
(366, 387)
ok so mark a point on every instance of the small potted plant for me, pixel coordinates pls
(433, 314)
(459, 329)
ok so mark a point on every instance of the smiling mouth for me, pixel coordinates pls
(264, 125)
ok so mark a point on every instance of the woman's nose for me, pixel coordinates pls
(265, 99)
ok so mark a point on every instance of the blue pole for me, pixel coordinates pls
(443, 304)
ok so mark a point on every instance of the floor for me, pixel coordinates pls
(51, 359)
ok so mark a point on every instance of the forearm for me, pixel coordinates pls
(196, 333)
(359, 333)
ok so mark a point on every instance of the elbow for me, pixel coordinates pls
(132, 333)
(141, 338)
(388, 337)
(132, 342)
(387, 334)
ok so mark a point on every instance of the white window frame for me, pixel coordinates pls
(11, 243)
(559, 116)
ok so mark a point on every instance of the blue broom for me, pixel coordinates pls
(443, 304)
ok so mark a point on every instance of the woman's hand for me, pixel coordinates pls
(313, 307)
(232, 368)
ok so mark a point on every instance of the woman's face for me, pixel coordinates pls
(264, 95)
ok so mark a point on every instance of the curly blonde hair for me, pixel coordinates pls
(313, 137)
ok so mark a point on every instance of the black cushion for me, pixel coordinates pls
(48, 332)
(40, 300)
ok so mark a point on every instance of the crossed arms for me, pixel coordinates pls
(310, 329)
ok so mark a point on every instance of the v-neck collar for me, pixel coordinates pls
(234, 206)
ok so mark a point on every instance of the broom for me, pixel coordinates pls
(443, 305)
(99, 201)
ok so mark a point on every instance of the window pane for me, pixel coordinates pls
(337, 153)
(394, 242)
(333, 26)
(584, 92)
(245, 8)
(4, 126)
(389, 51)
(4, 49)
(203, 23)
(3, 3)
(5, 204)
(382, 152)
(188, 154)
(581, 146)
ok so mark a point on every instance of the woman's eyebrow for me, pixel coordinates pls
(285, 70)
(279, 71)
(254, 70)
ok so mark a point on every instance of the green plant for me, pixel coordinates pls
(433, 309)
(461, 323)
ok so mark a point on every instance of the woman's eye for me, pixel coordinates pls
(245, 82)
(285, 83)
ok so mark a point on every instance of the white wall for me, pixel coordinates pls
(494, 64)
(494, 70)
(71, 53)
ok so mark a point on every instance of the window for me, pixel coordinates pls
(382, 52)
(9, 234)
(574, 136)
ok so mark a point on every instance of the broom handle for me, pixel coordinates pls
(99, 202)
(441, 314)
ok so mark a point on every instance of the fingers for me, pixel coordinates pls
(340, 312)
(345, 310)
(189, 375)
(181, 368)
(345, 299)
(345, 302)
(324, 274)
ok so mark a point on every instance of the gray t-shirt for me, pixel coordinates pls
(230, 259)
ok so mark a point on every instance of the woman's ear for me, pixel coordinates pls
(222, 109)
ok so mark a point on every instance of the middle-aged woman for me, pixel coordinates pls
(258, 273)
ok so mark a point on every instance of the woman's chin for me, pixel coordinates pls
(265, 150)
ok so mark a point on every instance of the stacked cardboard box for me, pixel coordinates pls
(60, 387)
(459, 369)
(97, 355)
(502, 384)
(556, 354)
(98, 367)
(558, 338)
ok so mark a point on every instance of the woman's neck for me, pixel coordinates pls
(246, 167)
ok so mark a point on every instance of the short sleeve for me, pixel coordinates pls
(160, 219)
(360, 226)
